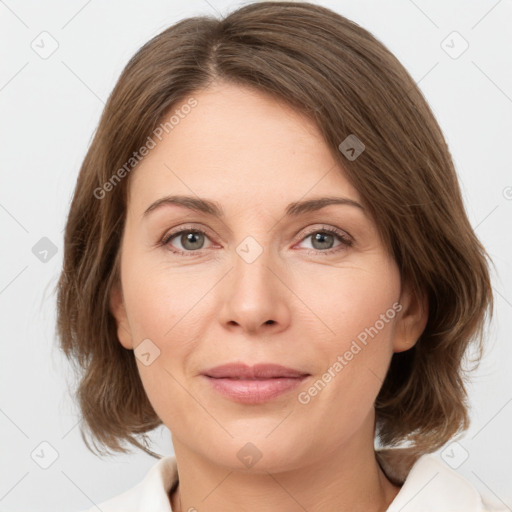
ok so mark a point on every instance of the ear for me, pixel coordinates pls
(411, 319)
(118, 310)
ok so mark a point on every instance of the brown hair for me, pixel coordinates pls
(344, 79)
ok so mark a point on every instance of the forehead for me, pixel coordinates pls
(238, 143)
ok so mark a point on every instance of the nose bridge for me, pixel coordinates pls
(255, 296)
(252, 278)
(254, 252)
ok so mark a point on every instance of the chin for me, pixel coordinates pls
(259, 453)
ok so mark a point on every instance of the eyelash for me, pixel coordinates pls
(343, 238)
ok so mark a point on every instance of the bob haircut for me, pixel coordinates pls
(346, 81)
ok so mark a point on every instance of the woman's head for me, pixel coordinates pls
(278, 103)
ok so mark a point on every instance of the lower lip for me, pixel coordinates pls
(254, 391)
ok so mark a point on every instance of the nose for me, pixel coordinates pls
(256, 297)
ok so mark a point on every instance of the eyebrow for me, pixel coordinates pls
(215, 209)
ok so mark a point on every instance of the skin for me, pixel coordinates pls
(254, 156)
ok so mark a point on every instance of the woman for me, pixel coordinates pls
(267, 252)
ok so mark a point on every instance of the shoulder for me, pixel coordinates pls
(149, 495)
(428, 485)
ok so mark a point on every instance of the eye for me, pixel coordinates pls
(191, 240)
(323, 240)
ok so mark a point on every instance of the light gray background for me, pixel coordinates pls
(50, 108)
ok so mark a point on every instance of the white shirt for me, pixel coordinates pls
(428, 486)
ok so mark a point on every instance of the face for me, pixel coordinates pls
(257, 283)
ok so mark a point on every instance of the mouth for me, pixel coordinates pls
(253, 384)
(256, 372)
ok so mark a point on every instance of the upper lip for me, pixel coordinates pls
(257, 371)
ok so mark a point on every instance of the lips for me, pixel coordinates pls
(253, 384)
(256, 372)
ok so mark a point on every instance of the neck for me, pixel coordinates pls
(348, 479)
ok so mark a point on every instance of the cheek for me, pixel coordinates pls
(341, 397)
(166, 316)
(160, 300)
(358, 308)
(350, 300)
